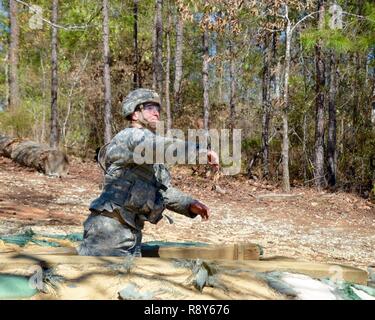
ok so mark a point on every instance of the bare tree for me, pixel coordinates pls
(304, 142)
(319, 104)
(13, 98)
(356, 87)
(272, 98)
(168, 70)
(284, 113)
(157, 64)
(178, 62)
(357, 84)
(136, 71)
(106, 75)
(206, 104)
(54, 135)
(43, 86)
(266, 103)
(373, 105)
(232, 88)
(331, 143)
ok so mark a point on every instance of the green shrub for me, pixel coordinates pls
(17, 122)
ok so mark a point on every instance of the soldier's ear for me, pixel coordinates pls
(135, 116)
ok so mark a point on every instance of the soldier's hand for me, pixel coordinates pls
(200, 209)
(213, 160)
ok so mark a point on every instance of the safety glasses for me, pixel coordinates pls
(151, 106)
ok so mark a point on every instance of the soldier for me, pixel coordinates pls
(134, 193)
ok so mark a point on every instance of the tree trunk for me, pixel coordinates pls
(304, 139)
(13, 101)
(136, 72)
(7, 81)
(285, 145)
(167, 76)
(158, 49)
(319, 104)
(154, 82)
(232, 87)
(357, 85)
(273, 98)
(266, 104)
(178, 62)
(221, 81)
(44, 86)
(373, 106)
(342, 136)
(206, 105)
(305, 115)
(106, 75)
(331, 144)
(54, 136)
(357, 92)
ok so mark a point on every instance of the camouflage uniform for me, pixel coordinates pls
(132, 194)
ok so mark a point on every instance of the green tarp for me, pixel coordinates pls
(15, 287)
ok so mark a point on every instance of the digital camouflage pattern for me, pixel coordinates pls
(135, 192)
(137, 97)
(105, 236)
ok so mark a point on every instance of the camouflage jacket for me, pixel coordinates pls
(140, 192)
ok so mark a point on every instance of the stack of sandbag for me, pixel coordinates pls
(35, 155)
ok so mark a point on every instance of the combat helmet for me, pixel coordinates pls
(137, 97)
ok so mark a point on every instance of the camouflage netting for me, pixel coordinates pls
(29, 237)
(68, 276)
(132, 278)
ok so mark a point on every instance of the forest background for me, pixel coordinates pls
(298, 77)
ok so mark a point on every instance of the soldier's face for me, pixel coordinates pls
(150, 113)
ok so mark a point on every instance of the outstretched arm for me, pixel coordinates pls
(182, 203)
(130, 143)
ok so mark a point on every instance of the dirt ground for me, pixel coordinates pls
(309, 225)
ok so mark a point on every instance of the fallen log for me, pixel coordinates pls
(32, 154)
(6, 145)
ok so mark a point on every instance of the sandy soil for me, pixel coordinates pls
(309, 225)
